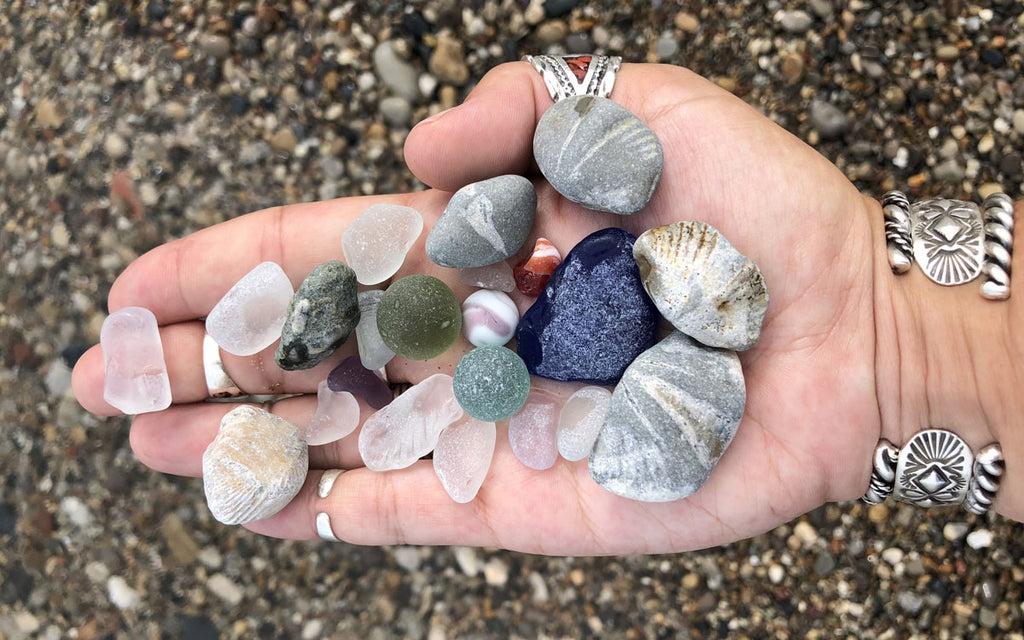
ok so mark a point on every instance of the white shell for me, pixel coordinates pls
(254, 467)
(702, 284)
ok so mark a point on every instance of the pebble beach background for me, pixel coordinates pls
(123, 125)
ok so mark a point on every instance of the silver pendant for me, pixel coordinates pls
(949, 239)
(933, 469)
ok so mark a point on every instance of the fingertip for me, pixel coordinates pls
(87, 380)
(489, 134)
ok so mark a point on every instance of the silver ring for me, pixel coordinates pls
(218, 383)
(580, 75)
(936, 469)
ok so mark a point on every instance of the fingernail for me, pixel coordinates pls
(323, 489)
(323, 527)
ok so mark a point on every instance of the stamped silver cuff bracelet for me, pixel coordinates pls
(953, 241)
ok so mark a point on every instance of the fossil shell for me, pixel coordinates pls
(254, 467)
(702, 284)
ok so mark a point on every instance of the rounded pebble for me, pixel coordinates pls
(491, 383)
(489, 318)
(419, 317)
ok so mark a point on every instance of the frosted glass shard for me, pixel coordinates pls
(249, 317)
(580, 420)
(254, 467)
(407, 429)
(496, 276)
(337, 415)
(531, 432)
(463, 456)
(135, 374)
(376, 242)
(373, 353)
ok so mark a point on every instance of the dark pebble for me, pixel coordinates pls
(1011, 164)
(16, 585)
(71, 353)
(238, 105)
(191, 627)
(156, 11)
(989, 593)
(8, 520)
(556, 8)
(415, 24)
(132, 26)
(250, 47)
(993, 57)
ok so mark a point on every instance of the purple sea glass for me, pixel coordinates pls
(353, 377)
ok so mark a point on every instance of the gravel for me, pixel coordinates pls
(123, 125)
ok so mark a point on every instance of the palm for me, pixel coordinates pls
(810, 382)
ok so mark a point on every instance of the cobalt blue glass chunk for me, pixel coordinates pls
(593, 317)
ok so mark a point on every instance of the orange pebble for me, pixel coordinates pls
(532, 274)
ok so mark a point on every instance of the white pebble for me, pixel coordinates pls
(805, 532)
(225, 589)
(496, 572)
(409, 558)
(249, 317)
(121, 595)
(776, 573)
(580, 420)
(893, 555)
(980, 539)
(467, 560)
(76, 511)
(312, 629)
(953, 531)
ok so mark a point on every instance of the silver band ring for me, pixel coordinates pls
(580, 75)
(218, 383)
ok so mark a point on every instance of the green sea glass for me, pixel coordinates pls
(419, 317)
(491, 383)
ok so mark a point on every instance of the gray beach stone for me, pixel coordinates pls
(598, 154)
(323, 313)
(671, 418)
(702, 284)
(398, 74)
(484, 222)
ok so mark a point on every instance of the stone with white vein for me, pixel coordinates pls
(672, 416)
(407, 429)
(484, 222)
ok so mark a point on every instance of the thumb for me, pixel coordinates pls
(489, 134)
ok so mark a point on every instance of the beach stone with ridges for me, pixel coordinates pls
(702, 284)
(484, 222)
(671, 418)
(595, 152)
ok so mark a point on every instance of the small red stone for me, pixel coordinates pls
(532, 274)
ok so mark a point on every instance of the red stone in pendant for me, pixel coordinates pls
(532, 274)
(579, 65)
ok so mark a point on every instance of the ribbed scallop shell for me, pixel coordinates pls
(702, 284)
(254, 467)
